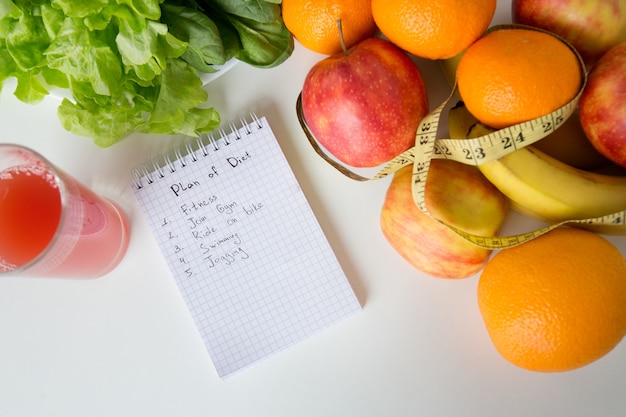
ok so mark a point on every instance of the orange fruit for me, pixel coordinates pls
(314, 23)
(511, 76)
(557, 302)
(433, 29)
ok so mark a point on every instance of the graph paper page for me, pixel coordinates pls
(245, 248)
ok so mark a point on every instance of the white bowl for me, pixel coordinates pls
(221, 69)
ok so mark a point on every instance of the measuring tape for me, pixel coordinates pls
(475, 151)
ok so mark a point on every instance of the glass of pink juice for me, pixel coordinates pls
(51, 225)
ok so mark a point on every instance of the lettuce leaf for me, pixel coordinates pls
(205, 46)
(256, 25)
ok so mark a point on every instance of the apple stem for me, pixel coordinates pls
(343, 42)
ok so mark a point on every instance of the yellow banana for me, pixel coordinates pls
(542, 187)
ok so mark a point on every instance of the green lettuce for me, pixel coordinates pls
(134, 65)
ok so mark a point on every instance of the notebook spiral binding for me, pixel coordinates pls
(192, 151)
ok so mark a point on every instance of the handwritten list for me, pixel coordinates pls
(244, 246)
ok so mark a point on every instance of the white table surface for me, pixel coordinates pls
(124, 345)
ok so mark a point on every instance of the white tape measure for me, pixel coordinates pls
(474, 151)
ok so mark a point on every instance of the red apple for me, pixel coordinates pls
(591, 26)
(364, 105)
(602, 106)
(456, 194)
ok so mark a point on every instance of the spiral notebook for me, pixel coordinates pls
(245, 249)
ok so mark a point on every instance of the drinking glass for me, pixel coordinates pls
(51, 225)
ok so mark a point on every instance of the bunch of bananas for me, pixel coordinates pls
(541, 186)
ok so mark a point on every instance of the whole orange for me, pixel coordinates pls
(433, 29)
(514, 75)
(557, 302)
(314, 23)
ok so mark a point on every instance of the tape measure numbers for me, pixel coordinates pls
(480, 150)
